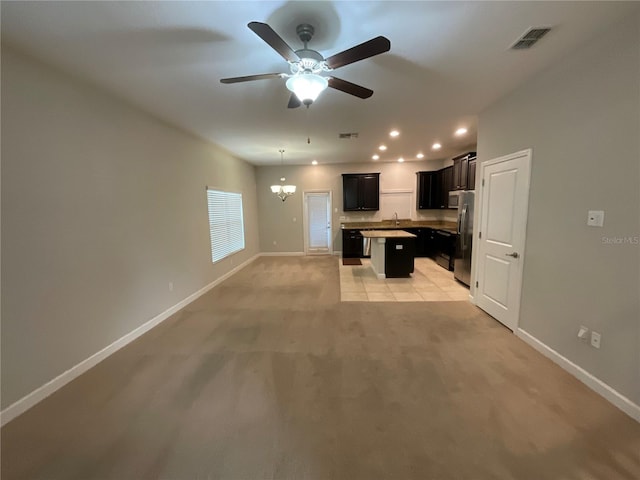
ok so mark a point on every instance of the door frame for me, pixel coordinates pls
(305, 221)
(480, 212)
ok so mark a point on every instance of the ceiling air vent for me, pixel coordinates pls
(348, 135)
(530, 38)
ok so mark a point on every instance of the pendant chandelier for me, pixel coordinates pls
(283, 191)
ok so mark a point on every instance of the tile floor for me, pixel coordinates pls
(428, 283)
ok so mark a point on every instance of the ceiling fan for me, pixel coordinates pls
(305, 64)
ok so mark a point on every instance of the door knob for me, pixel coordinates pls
(514, 254)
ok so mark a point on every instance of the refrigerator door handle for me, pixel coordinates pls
(462, 222)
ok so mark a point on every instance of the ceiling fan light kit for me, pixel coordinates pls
(307, 86)
(306, 65)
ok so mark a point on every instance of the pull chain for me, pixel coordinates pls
(307, 121)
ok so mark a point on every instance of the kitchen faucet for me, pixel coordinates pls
(395, 216)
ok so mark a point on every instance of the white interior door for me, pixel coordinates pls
(504, 190)
(317, 207)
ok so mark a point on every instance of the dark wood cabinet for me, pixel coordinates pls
(399, 254)
(461, 171)
(456, 173)
(350, 192)
(370, 188)
(360, 191)
(445, 243)
(352, 244)
(445, 181)
(471, 180)
(434, 187)
(430, 243)
(428, 196)
(425, 241)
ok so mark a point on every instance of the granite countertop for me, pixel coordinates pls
(450, 227)
(386, 233)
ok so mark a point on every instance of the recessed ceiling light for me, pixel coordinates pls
(461, 131)
(376, 157)
(315, 162)
(420, 155)
(382, 148)
(436, 146)
(394, 133)
(400, 160)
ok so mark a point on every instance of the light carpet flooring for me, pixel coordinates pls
(428, 283)
(270, 376)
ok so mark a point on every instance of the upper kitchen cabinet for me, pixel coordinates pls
(461, 171)
(428, 191)
(445, 181)
(360, 191)
(471, 178)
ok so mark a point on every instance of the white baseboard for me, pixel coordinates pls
(595, 384)
(282, 254)
(40, 393)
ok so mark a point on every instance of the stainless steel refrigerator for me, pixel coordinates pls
(464, 242)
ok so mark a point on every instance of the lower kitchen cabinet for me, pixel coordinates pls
(445, 248)
(425, 241)
(430, 242)
(399, 254)
(352, 244)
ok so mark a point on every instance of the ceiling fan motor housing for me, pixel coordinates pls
(305, 32)
(310, 62)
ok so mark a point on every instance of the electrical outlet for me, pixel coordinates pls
(275, 243)
(595, 339)
(171, 286)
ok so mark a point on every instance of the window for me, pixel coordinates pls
(226, 225)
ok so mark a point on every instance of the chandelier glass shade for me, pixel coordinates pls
(283, 191)
(307, 86)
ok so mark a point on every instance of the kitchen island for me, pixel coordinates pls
(392, 252)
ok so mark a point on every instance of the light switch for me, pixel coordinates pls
(595, 218)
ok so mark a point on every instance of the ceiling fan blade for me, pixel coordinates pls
(375, 46)
(350, 88)
(266, 33)
(294, 101)
(250, 78)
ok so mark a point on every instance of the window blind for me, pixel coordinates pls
(226, 224)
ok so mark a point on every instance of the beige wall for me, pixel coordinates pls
(276, 218)
(582, 120)
(102, 207)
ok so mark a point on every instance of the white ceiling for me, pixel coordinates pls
(448, 61)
